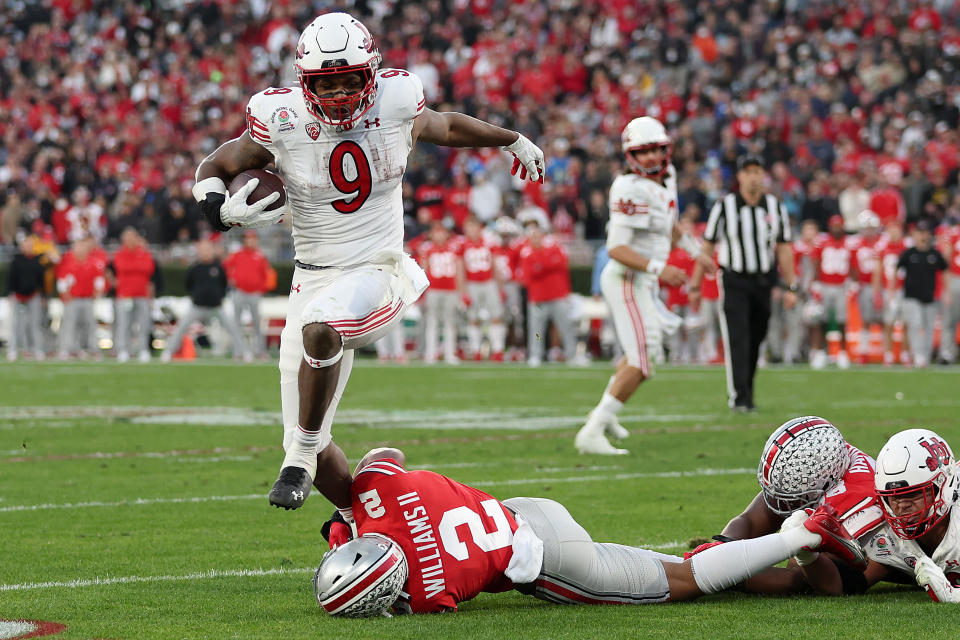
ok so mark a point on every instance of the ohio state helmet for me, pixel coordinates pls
(802, 460)
(643, 134)
(916, 461)
(361, 578)
(337, 43)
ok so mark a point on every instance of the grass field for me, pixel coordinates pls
(133, 497)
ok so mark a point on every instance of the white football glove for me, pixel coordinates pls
(527, 158)
(930, 577)
(796, 519)
(235, 212)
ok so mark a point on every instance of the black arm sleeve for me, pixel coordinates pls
(210, 207)
(157, 279)
(854, 582)
(325, 529)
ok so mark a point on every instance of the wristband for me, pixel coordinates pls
(208, 185)
(805, 558)
(655, 266)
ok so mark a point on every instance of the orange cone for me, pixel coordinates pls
(187, 350)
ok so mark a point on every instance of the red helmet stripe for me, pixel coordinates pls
(784, 438)
(365, 583)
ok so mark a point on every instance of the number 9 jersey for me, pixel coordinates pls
(457, 539)
(343, 184)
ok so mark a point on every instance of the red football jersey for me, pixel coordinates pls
(855, 495)
(952, 239)
(457, 539)
(677, 296)
(835, 257)
(889, 256)
(133, 268)
(865, 258)
(477, 260)
(440, 263)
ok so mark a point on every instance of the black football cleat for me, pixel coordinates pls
(291, 488)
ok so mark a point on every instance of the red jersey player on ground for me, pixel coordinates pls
(806, 463)
(440, 258)
(476, 252)
(833, 259)
(428, 543)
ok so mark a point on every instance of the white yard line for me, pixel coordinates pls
(482, 483)
(200, 575)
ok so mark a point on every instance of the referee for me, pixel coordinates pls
(754, 236)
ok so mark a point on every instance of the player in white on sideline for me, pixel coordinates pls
(643, 227)
(340, 141)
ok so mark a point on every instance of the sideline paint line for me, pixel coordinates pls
(108, 455)
(482, 483)
(199, 575)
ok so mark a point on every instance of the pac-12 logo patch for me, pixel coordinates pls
(313, 130)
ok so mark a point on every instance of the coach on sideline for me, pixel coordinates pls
(754, 236)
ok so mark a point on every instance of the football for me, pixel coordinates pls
(269, 183)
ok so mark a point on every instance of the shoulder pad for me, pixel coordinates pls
(400, 94)
(272, 111)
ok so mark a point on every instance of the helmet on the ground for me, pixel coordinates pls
(643, 134)
(914, 464)
(337, 43)
(802, 460)
(361, 578)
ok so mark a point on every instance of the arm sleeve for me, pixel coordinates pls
(713, 222)
(618, 234)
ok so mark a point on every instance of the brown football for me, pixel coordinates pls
(269, 183)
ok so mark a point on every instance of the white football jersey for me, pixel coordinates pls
(344, 187)
(642, 215)
(885, 547)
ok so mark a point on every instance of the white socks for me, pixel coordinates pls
(609, 405)
(303, 451)
(473, 338)
(731, 563)
(498, 336)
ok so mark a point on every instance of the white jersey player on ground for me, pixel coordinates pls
(643, 227)
(340, 141)
(918, 485)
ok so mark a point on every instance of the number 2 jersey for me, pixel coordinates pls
(344, 187)
(457, 539)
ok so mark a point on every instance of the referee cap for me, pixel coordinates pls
(750, 159)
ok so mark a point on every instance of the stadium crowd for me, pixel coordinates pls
(107, 108)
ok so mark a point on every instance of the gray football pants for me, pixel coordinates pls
(205, 315)
(538, 315)
(919, 318)
(951, 316)
(78, 327)
(130, 312)
(577, 570)
(250, 301)
(26, 325)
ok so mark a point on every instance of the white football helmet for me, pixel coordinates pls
(802, 460)
(361, 578)
(643, 134)
(867, 219)
(921, 463)
(337, 43)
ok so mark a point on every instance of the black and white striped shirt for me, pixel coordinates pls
(749, 234)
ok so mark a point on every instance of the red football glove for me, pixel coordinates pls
(339, 533)
(703, 547)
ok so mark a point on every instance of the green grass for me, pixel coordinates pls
(508, 430)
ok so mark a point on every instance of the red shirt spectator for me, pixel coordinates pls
(430, 196)
(248, 269)
(80, 273)
(890, 250)
(888, 204)
(545, 271)
(456, 200)
(133, 267)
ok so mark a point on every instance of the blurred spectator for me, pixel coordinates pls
(250, 274)
(25, 291)
(206, 282)
(546, 276)
(80, 281)
(132, 271)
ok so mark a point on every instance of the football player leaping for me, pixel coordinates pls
(643, 226)
(340, 141)
(428, 543)
(807, 463)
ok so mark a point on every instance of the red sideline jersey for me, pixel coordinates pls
(457, 539)
(865, 256)
(854, 497)
(440, 263)
(477, 260)
(133, 268)
(889, 257)
(835, 258)
(951, 237)
(248, 270)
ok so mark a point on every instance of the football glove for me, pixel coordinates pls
(718, 539)
(235, 212)
(931, 577)
(336, 531)
(527, 158)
